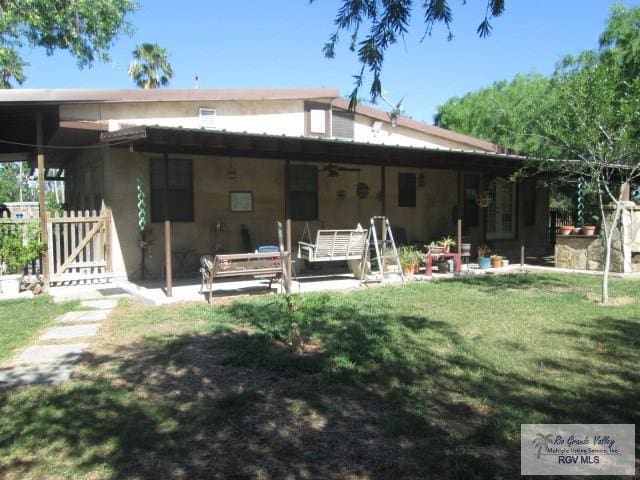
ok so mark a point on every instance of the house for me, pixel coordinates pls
(229, 163)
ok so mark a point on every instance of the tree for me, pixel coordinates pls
(388, 22)
(150, 67)
(9, 181)
(501, 113)
(11, 67)
(85, 28)
(587, 112)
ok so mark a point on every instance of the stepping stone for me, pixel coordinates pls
(84, 316)
(67, 353)
(100, 304)
(72, 331)
(35, 374)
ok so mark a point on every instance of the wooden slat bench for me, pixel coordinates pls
(334, 245)
(257, 265)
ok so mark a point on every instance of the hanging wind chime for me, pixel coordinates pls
(142, 222)
(580, 202)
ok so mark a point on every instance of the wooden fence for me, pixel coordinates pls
(79, 246)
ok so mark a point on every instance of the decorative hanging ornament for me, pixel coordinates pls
(362, 190)
(142, 204)
(483, 199)
(580, 201)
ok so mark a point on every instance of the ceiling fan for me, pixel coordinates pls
(334, 170)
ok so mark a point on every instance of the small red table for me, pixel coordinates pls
(428, 257)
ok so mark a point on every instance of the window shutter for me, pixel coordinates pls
(208, 118)
(342, 125)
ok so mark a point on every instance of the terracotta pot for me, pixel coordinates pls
(589, 230)
(496, 262)
(446, 248)
(566, 230)
(576, 230)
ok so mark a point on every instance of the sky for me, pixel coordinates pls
(278, 44)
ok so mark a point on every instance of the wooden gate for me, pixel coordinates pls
(79, 246)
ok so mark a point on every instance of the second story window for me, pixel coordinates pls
(316, 119)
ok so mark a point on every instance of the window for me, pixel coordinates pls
(302, 201)
(179, 190)
(406, 189)
(471, 212)
(316, 118)
(342, 125)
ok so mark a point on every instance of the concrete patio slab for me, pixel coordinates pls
(35, 374)
(99, 291)
(100, 304)
(38, 354)
(84, 316)
(70, 332)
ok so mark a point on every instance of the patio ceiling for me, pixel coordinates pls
(173, 141)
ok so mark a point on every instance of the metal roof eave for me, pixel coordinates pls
(158, 139)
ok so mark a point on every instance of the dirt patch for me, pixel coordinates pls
(613, 301)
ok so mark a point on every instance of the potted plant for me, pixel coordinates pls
(434, 249)
(484, 252)
(409, 259)
(496, 261)
(465, 249)
(566, 229)
(19, 245)
(589, 230)
(446, 243)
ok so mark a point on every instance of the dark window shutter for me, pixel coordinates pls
(342, 125)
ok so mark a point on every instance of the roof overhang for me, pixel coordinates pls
(180, 141)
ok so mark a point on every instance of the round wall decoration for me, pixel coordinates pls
(362, 190)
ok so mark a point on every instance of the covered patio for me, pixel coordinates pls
(282, 152)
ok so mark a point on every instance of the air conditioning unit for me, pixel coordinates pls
(208, 118)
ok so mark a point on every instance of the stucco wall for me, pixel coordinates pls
(429, 220)
(277, 117)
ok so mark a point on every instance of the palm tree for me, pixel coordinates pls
(11, 66)
(150, 67)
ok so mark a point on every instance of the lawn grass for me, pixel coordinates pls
(431, 380)
(21, 320)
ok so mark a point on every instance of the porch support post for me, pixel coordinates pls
(167, 229)
(521, 234)
(289, 250)
(41, 199)
(383, 190)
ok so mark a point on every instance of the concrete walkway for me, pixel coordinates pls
(52, 358)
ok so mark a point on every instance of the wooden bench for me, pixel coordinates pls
(334, 245)
(257, 265)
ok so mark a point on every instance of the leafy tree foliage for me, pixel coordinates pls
(388, 21)
(9, 181)
(587, 112)
(11, 67)
(501, 113)
(85, 28)
(150, 67)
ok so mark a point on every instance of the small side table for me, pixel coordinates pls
(429, 261)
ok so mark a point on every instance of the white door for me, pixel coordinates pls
(501, 212)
